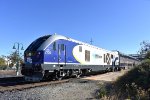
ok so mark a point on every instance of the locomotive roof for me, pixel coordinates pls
(55, 37)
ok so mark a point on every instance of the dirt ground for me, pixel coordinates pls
(6, 73)
(109, 77)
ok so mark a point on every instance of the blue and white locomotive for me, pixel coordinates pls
(56, 56)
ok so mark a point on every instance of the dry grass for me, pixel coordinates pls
(107, 77)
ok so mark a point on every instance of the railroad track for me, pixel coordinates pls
(9, 84)
(10, 81)
(18, 83)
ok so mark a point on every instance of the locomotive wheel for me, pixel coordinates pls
(78, 75)
(57, 76)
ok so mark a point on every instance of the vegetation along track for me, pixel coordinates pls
(17, 83)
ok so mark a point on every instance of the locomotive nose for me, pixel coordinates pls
(32, 72)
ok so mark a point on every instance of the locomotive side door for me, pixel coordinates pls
(61, 55)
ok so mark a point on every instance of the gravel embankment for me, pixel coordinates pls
(73, 90)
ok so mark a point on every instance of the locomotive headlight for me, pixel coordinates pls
(38, 54)
(30, 54)
(29, 60)
(54, 65)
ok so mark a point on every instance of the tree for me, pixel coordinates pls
(2, 61)
(147, 56)
(14, 57)
(145, 49)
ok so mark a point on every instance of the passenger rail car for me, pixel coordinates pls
(57, 56)
(127, 62)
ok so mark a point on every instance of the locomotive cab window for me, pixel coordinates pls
(80, 48)
(54, 46)
(62, 47)
(37, 43)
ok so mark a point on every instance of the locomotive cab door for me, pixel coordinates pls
(61, 55)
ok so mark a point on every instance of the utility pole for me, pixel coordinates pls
(91, 41)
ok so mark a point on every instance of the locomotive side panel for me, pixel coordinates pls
(87, 55)
(72, 55)
(60, 52)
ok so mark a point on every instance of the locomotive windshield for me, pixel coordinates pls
(37, 43)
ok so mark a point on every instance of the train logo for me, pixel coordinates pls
(48, 51)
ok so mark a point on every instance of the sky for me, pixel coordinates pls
(112, 24)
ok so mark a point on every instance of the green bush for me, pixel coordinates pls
(3, 67)
(102, 90)
(135, 84)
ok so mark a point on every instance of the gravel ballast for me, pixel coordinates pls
(77, 89)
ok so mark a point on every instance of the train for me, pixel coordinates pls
(57, 56)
